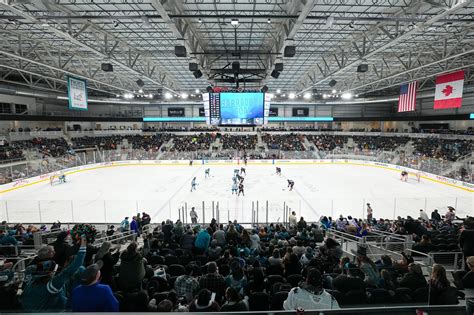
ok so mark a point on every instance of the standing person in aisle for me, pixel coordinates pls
(370, 213)
(193, 184)
(193, 216)
(292, 219)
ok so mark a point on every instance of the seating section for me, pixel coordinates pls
(262, 264)
(238, 142)
(288, 142)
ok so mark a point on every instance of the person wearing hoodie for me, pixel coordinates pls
(202, 241)
(109, 258)
(134, 227)
(45, 290)
(132, 269)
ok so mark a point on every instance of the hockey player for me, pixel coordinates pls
(418, 176)
(193, 184)
(278, 171)
(242, 171)
(62, 178)
(190, 162)
(207, 173)
(404, 176)
(234, 188)
(241, 189)
(291, 184)
(236, 171)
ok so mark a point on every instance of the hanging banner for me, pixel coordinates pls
(77, 93)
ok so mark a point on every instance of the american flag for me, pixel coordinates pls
(407, 98)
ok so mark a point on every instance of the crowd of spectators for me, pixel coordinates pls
(238, 142)
(10, 152)
(197, 142)
(288, 142)
(443, 149)
(230, 268)
(327, 142)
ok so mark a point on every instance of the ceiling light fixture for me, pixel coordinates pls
(307, 96)
(292, 96)
(184, 95)
(168, 95)
(278, 91)
(197, 91)
(234, 22)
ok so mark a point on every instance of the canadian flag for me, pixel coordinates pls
(448, 92)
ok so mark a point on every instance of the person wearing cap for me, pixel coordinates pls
(310, 295)
(367, 266)
(91, 296)
(45, 291)
(450, 215)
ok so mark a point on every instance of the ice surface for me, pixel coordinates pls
(109, 194)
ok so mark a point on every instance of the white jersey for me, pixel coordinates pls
(299, 297)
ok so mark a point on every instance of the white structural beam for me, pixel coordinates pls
(362, 57)
(73, 40)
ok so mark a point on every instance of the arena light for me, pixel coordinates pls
(302, 119)
(334, 91)
(150, 95)
(128, 96)
(471, 116)
(307, 96)
(234, 22)
(140, 91)
(278, 91)
(184, 96)
(271, 95)
(168, 95)
(292, 96)
(325, 96)
(346, 96)
(197, 91)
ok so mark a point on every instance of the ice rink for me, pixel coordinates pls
(109, 194)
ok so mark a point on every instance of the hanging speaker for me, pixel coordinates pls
(275, 74)
(197, 74)
(140, 82)
(180, 51)
(290, 51)
(193, 66)
(236, 66)
(279, 66)
(107, 67)
(363, 67)
(332, 83)
(264, 89)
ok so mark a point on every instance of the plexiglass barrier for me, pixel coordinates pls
(255, 211)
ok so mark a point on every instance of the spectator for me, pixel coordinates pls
(275, 260)
(450, 215)
(202, 241)
(109, 259)
(237, 278)
(292, 219)
(423, 216)
(254, 241)
(132, 269)
(134, 226)
(204, 302)
(466, 238)
(92, 296)
(213, 281)
(435, 216)
(187, 285)
(219, 235)
(125, 225)
(440, 292)
(350, 280)
(62, 250)
(45, 291)
(234, 302)
(187, 241)
(368, 267)
(214, 252)
(310, 295)
(465, 279)
(306, 257)
(414, 278)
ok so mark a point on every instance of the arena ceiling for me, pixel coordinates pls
(44, 41)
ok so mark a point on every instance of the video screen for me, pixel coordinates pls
(241, 108)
